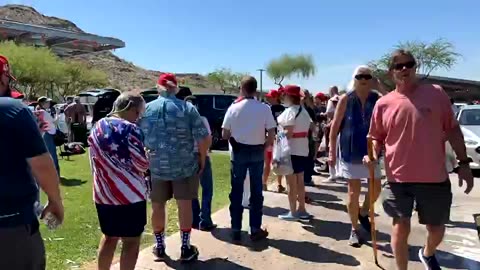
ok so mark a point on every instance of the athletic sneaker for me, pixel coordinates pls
(280, 189)
(159, 254)
(189, 254)
(305, 215)
(288, 216)
(430, 263)
(365, 222)
(355, 239)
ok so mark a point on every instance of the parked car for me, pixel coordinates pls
(212, 106)
(469, 120)
(98, 103)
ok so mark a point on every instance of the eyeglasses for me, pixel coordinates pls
(363, 77)
(407, 65)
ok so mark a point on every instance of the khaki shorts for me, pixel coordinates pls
(183, 189)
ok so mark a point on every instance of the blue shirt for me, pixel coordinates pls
(355, 126)
(20, 139)
(171, 126)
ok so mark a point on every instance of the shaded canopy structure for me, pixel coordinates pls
(63, 42)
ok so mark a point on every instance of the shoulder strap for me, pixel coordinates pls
(299, 111)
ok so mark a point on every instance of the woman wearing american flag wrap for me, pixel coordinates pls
(119, 164)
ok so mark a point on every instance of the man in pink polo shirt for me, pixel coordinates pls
(412, 123)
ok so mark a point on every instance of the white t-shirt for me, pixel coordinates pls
(205, 122)
(47, 117)
(298, 146)
(248, 120)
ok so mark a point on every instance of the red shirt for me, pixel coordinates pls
(412, 127)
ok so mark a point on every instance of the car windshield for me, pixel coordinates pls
(470, 117)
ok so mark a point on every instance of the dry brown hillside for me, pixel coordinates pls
(122, 74)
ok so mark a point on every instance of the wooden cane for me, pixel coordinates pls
(371, 191)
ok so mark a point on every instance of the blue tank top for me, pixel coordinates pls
(355, 126)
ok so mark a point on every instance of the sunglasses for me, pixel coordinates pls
(407, 65)
(363, 77)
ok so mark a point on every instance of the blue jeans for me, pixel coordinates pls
(253, 162)
(202, 217)
(52, 149)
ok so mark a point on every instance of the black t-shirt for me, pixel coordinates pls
(277, 110)
(20, 139)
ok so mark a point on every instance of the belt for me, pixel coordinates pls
(297, 135)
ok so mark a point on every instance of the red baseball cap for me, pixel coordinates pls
(321, 96)
(273, 94)
(292, 90)
(5, 67)
(167, 79)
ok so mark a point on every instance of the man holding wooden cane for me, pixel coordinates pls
(412, 123)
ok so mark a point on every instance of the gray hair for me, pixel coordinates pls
(126, 101)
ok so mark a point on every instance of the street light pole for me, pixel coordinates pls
(261, 78)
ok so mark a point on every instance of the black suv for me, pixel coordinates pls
(212, 106)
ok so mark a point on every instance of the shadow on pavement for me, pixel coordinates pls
(312, 252)
(215, 263)
(462, 224)
(446, 259)
(67, 182)
(306, 251)
(274, 211)
(337, 230)
(224, 235)
(315, 196)
(331, 205)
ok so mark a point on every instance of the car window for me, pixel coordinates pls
(223, 102)
(203, 103)
(470, 117)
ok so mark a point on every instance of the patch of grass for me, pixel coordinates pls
(76, 242)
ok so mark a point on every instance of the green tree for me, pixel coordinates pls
(235, 79)
(219, 78)
(437, 55)
(226, 80)
(290, 65)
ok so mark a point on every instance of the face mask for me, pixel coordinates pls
(287, 103)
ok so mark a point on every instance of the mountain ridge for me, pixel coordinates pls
(122, 74)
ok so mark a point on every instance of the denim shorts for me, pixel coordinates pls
(433, 201)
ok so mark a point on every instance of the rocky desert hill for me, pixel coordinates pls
(121, 73)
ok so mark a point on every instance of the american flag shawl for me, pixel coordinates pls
(118, 162)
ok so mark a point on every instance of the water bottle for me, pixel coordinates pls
(49, 219)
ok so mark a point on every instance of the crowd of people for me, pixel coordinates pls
(160, 151)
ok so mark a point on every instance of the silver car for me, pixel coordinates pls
(469, 120)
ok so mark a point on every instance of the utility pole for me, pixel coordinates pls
(261, 78)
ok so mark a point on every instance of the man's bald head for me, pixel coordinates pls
(249, 85)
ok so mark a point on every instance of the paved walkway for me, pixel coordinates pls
(321, 243)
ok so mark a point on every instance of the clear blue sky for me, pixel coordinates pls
(199, 36)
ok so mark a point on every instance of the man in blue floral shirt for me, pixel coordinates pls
(171, 127)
